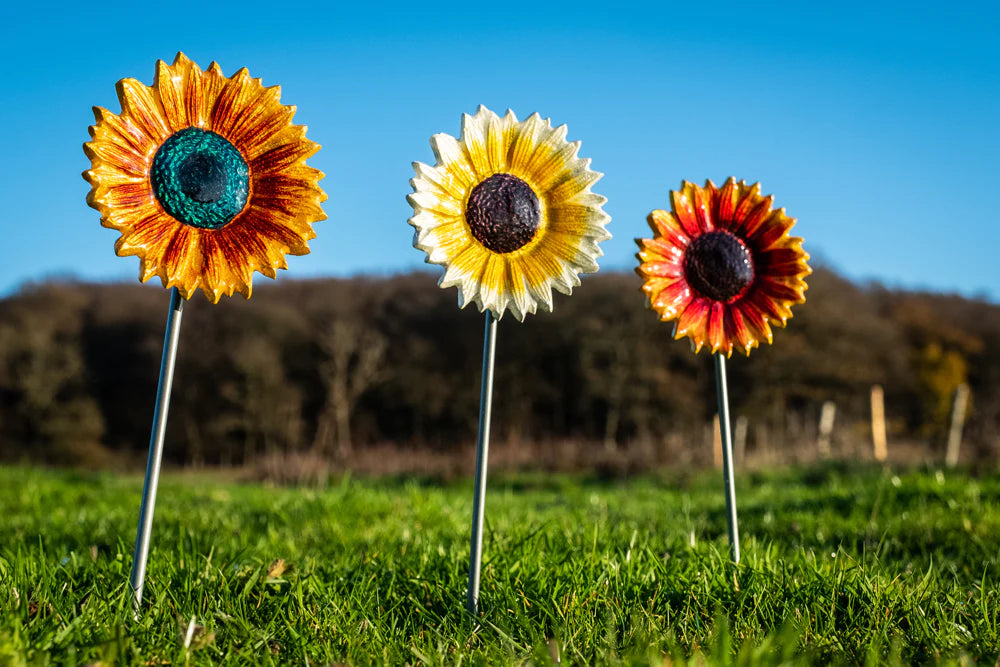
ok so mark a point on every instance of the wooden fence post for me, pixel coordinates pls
(879, 444)
(740, 438)
(826, 417)
(957, 423)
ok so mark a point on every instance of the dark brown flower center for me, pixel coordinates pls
(503, 213)
(718, 266)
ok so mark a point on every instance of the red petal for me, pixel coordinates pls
(727, 199)
(717, 327)
(684, 211)
(777, 225)
(672, 301)
(754, 320)
(702, 204)
(693, 322)
(737, 330)
(749, 223)
(661, 248)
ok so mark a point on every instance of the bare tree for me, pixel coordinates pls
(353, 353)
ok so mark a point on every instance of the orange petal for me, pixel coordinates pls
(666, 225)
(139, 103)
(268, 227)
(208, 88)
(128, 197)
(155, 228)
(283, 156)
(123, 130)
(237, 92)
(115, 154)
(170, 87)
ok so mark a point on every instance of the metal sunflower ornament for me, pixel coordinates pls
(722, 266)
(205, 177)
(507, 210)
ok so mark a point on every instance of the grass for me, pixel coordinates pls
(841, 564)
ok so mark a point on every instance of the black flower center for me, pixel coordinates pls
(203, 178)
(503, 213)
(200, 178)
(718, 266)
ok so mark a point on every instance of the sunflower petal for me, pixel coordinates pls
(451, 157)
(170, 86)
(693, 322)
(474, 131)
(684, 210)
(139, 104)
(728, 198)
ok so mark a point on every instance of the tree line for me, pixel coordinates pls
(334, 366)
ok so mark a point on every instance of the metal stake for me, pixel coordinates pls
(482, 455)
(156, 446)
(727, 456)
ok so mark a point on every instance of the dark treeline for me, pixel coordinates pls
(336, 367)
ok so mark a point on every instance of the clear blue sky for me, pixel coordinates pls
(877, 127)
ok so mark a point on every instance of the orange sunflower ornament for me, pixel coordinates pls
(205, 177)
(722, 265)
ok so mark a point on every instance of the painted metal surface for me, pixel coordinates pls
(507, 210)
(144, 532)
(722, 266)
(205, 177)
(482, 460)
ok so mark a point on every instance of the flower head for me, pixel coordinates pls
(508, 211)
(722, 265)
(205, 178)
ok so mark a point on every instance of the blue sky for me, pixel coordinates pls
(875, 126)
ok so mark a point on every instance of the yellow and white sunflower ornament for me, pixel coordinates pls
(508, 211)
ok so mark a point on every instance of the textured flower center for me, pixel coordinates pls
(718, 265)
(200, 178)
(503, 213)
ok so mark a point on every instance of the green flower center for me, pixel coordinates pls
(718, 265)
(200, 178)
(503, 213)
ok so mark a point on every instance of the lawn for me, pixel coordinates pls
(847, 564)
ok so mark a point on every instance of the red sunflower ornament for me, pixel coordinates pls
(722, 265)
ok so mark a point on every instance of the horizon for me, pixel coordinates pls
(871, 126)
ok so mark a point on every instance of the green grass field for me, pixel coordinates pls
(841, 564)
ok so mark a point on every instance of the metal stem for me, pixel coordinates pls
(482, 455)
(156, 446)
(727, 456)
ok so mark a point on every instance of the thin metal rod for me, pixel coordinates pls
(156, 446)
(727, 456)
(482, 457)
